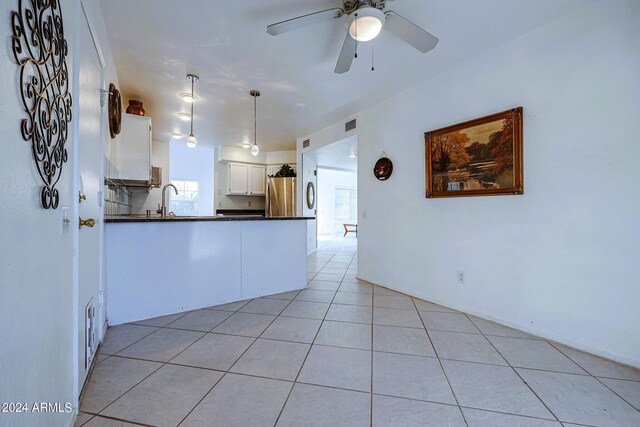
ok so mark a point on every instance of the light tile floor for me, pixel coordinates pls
(347, 353)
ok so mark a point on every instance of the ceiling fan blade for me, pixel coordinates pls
(346, 55)
(410, 32)
(304, 21)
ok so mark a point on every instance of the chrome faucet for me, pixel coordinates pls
(162, 210)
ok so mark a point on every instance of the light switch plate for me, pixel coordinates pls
(65, 220)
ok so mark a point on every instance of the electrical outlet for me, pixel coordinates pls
(364, 213)
(219, 204)
(249, 204)
(460, 277)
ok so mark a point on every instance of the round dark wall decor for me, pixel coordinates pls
(40, 49)
(383, 168)
(115, 111)
(311, 195)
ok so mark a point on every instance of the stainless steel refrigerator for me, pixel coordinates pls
(281, 197)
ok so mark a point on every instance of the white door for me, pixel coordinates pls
(90, 185)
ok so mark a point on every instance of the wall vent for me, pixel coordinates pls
(306, 143)
(90, 333)
(350, 125)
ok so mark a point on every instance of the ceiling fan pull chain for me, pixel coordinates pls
(372, 63)
(356, 38)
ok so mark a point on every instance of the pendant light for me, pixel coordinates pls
(191, 140)
(254, 148)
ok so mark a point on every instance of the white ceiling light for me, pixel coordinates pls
(176, 135)
(184, 116)
(187, 97)
(365, 23)
(191, 140)
(254, 148)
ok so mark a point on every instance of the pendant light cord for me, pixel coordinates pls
(255, 121)
(192, 102)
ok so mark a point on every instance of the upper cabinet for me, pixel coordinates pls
(237, 179)
(245, 179)
(257, 178)
(134, 148)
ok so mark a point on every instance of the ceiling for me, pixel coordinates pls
(337, 154)
(155, 43)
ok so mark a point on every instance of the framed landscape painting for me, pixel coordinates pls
(476, 158)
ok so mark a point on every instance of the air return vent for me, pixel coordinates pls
(350, 125)
(306, 143)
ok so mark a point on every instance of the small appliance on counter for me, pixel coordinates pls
(281, 193)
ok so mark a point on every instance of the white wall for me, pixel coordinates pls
(194, 164)
(143, 199)
(561, 260)
(328, 181)
(36, 260)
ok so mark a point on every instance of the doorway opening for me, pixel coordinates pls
(336, 191)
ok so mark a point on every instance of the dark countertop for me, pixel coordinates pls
(143, 218)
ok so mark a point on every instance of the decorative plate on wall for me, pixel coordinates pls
(311, 195)
(115, 110)
(383, 168)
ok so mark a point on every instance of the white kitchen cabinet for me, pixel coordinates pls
(257, 178)
(246, 179)
(134, 148)
(238, 179)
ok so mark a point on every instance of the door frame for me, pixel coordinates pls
(82, 17)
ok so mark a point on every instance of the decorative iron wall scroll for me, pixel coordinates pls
(40, 49)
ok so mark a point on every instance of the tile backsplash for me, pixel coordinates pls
(117, 197)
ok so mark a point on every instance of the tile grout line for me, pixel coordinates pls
(514, 370)
(598, 379)
(239, 357)
(162, 363)
(295, 381)
(464, 418)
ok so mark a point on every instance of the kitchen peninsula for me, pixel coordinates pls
(158, 266)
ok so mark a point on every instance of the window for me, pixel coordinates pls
(346, 203)
(186, 202)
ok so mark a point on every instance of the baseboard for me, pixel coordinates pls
(533, 331)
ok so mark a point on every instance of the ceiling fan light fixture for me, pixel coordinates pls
(365, 23)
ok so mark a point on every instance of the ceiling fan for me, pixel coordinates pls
(365, 20)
